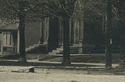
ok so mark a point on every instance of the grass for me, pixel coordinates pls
(80, 58)
(9, 56)
(76, 58)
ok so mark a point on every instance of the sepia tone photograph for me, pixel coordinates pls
(62, 41)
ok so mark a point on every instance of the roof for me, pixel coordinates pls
(9, 27)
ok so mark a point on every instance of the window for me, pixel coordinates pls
(7, 39)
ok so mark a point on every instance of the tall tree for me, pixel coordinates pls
(63, 9)
(108, 35)
(121, 13)
(67, 9)
(22, 18)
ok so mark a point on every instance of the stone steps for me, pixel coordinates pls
(56, 51)
(32, 47)
(37, 48)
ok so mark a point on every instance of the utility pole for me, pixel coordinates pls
(108, 49)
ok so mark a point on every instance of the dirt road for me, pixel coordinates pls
(57, 75)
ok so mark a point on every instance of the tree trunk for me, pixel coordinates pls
(121, 13)
(66, 44)
(22, 33)
(122, 47)
(108, 50)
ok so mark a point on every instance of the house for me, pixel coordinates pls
(9, 39)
